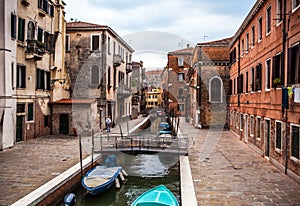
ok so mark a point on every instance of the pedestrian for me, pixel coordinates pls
(108, 124)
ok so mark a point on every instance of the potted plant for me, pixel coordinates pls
(277, 82)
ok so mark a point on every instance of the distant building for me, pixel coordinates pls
(265, 83)
(153, 99)
(174, 84)
(153, 79)
(99, 64)
(209, 84)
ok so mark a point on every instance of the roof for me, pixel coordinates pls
(85, 26)
(188, 50)
(74, 101)
(221, 42)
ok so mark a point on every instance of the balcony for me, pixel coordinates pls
(123, 91)
(35, 49)
(117, 60)
(128, 68)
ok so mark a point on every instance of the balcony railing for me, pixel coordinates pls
(123, 91)
(117, 60)
(128, 67)
(35, 47)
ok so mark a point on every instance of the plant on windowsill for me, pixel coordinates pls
(277, 82)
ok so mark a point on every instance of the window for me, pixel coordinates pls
(260, 29)
(258, 126)
(252, 123)
(48, 40)
(268, 20)
(277, 71)
(295, 136)
(95, 74)
(246, 82)
(20, 108)
(233, 56)
(51, 11)
(180, 107)
(180, 77)
(279, 12)
(252, 79)
(46, 120)
(13, 75)
(296, 4)
(180, 92)
(21, 29)
(40, 79)
(253, 35)
(67, 43)
(247, 42)
(243, 47)
(30, 112)
(180, 62)
(40, 35)
(215, 90)
(108, 45)
(293, 74)
(278, 135)
(95, 42)
(108, 76)
(241, 122)
(30, 31)
(258, 77)
(13, 25)
(43, 5)
(21, 76)
(240, 84)
(268, 74)
(47, 80)
(114, 48)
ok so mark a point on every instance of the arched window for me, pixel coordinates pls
(30, 31)
(216, 90)
(95, 74)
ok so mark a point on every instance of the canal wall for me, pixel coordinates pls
(53, 191)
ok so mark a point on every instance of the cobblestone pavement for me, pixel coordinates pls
(233, 174)
(30, 164)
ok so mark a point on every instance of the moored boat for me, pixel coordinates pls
(157, 196)
(100, 179)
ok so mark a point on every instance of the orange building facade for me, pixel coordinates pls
(265, 82)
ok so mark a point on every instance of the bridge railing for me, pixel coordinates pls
(127, 143)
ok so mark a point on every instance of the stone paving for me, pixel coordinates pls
(233, 174)
(225, 171)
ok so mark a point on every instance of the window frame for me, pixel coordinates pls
(268, 69)
(30, 112)
(13, 26)
(278, 149)
(21, 29)
(212, 100)
(21, 76)
(260, 29)
(95, 75)
(295, 7)
(258, 128)
(279, 10)
(291, 139)
(93, 44)
(67, 43)
(268, 20)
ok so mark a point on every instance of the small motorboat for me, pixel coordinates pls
(100, 179)
(165, 128)
(157, 196)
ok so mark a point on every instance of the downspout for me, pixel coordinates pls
(239, 71)
(284, 36)
(200, 85)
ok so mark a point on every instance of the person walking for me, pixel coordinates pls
(108, 124)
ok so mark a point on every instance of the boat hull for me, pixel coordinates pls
(100, 179)
(157, 196)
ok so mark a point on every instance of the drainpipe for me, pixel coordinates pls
(200, 85)
(284, 36)
(239, 71)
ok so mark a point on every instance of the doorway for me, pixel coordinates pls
(19, 129)
(64, 123)
(267, 137)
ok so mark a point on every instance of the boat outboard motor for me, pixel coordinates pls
(70, 200)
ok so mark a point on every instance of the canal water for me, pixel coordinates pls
(144, 172)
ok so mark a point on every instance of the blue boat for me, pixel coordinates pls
(100, 179)
(165, 128)
(157, 196)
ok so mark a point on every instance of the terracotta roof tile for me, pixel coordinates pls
(80, 24)
(74, 101)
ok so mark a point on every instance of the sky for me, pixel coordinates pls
(153, 28)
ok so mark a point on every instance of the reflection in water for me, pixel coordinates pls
(145, 172)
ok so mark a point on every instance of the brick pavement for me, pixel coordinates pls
(233, 174)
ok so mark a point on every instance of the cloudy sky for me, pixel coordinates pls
(171, 23)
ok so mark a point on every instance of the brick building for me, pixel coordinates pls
(265, 79)
(208, 80)
(174, 81)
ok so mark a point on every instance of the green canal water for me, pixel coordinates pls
(144, 172)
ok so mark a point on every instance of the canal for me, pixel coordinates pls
(144, 172)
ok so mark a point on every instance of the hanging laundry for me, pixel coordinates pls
(297, 95)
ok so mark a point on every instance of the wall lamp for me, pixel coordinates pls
(193, 87)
